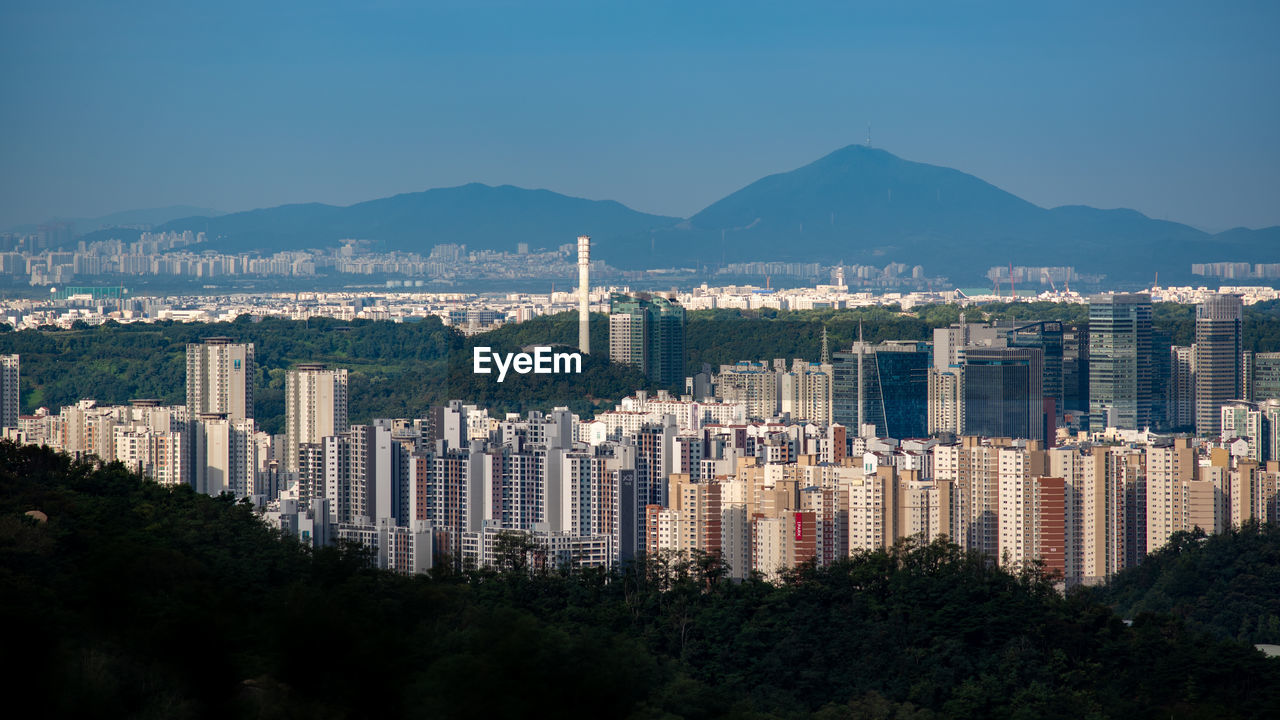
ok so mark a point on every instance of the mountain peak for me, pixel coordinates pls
(858, 204)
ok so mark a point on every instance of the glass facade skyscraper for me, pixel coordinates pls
(1046, 336)
(1120, 361)
(1261, 376)
(1075, 367)
(894, 393)
(1217, 350)
(647, 331)
(1003, 393)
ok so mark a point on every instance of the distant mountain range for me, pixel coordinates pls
(480, 216)
(146, 216)
(855, 205)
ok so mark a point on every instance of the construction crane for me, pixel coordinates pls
(1045, 273)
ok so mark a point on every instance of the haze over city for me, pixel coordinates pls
(1167, 108)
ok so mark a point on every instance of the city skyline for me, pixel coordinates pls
(1162, 109)
(719, 359)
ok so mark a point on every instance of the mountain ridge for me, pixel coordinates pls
(478, 215)
(138, 216)
(856, 204)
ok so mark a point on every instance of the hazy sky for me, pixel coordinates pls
(1172, 108)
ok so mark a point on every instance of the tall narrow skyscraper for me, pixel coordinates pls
(1120, 361)
(1217, 349)
(8, 390)
(1075, 367)
(584, 293)
(1047, 336)
(315, 407)
(1180, 404)
(220, 378)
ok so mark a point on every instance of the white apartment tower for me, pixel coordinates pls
(584, 293)
(220, 378)
(225, 455)
(315, 408)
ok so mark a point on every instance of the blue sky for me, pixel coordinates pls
(1170, 108)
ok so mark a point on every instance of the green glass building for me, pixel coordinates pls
(647, 331)
(1120, 364)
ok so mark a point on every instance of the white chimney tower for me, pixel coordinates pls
(584, 293)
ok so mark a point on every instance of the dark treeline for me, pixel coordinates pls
(134, 600)
(1226, 584)
(399, 369)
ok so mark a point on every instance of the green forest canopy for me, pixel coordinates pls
(136, 600)
(1226, 584)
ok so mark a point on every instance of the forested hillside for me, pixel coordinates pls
(1226, 584)
(134, 600)
(396, 369)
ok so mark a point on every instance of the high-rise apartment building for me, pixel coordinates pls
(1180, 391)
(1218, 376)
(753, 384)
(363, 474)
(225, 455)
(220, 378)
(804, 392)
(978, 470)
(1241, 420)
(1120, 361)
(647, 331)
(315, 407)
(8, 391)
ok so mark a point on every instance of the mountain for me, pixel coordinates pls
(856, 205)
(864, 205)
(126, 218)
(1239, 244)
(480, 216)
